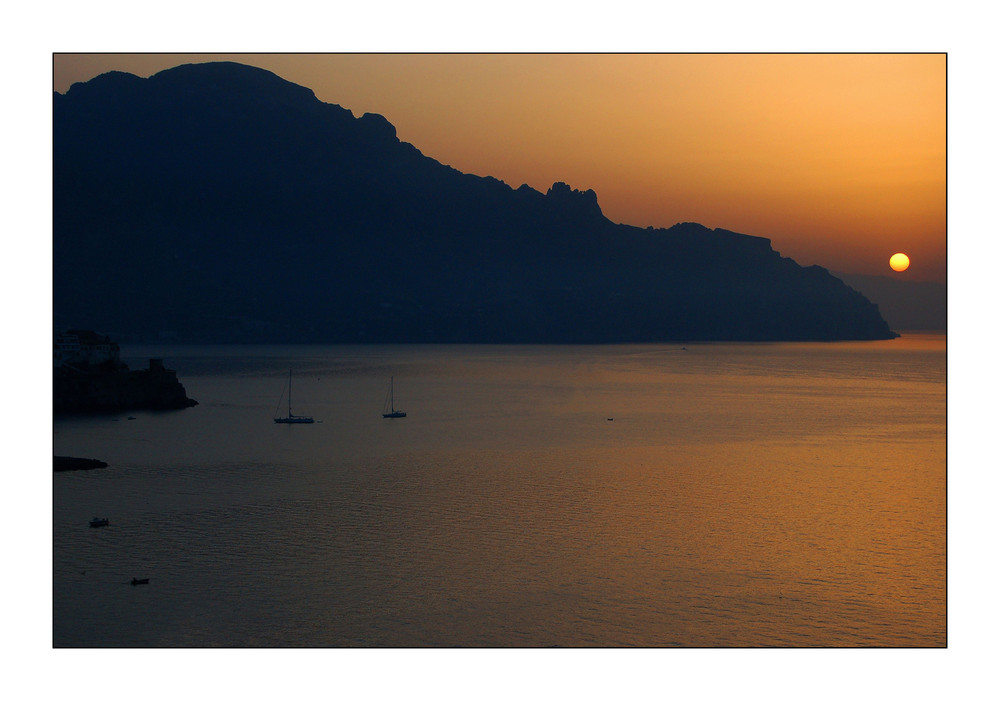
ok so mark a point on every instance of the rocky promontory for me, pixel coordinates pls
(112, 387)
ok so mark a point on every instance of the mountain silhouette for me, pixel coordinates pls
(218, 202)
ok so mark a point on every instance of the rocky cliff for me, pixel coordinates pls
(111, 387)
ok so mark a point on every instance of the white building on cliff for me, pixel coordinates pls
(78, 347)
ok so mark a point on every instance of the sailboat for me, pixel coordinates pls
(390, 408)
(291, 418)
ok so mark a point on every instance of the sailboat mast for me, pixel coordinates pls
(289, 393)
(392, 396)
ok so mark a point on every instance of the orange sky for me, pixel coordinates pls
(838, 159)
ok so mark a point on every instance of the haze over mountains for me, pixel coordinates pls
(904, 304)
(220, 203)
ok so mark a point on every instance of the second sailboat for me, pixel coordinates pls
(389, 408)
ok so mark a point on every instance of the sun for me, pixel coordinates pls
(899, 262)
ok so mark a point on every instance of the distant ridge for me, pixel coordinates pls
(904, 304)
(218, 202)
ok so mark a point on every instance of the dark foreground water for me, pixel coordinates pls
(644, 495)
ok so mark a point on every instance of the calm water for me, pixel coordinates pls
(742, 495)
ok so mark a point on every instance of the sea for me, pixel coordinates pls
(753, 495)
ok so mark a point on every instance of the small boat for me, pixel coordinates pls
(139, 581)
(389, 408)
(98, 522)
(291, 418)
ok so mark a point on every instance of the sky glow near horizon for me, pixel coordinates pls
(839, 159)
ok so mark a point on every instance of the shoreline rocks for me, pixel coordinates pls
(62, 463)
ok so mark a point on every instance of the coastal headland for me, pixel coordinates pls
(104, 389)
(219, 203)
(89, 377)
